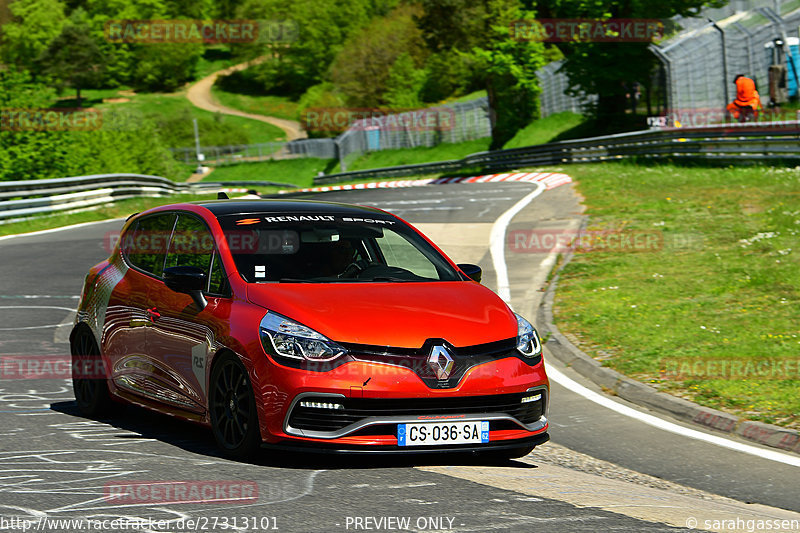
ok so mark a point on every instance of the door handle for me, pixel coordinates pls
(153, 312)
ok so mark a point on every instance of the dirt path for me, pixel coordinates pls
(200, 96)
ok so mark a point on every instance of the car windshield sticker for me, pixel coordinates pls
(325, 218)
(261, 271)
(247, 221)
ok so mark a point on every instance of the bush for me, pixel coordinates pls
(176, 130)
(324, 95)
(165, 67)
(125, 142)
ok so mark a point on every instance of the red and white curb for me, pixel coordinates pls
(550, 180)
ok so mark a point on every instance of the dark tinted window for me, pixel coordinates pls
(193, 245)
(331, 248)
(145, 243)
(218, 282)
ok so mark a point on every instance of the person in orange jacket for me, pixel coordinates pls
(747, 102)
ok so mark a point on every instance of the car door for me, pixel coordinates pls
(182, 336)
(129, 313)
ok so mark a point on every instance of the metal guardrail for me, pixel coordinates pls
(731, 142)
(723, 142)
(21, 199)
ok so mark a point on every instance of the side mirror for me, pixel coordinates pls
(187, 280)
(474, 272)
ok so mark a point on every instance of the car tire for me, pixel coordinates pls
(91, 395)
(232, 409)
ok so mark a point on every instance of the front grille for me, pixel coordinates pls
(416, 359)
(357, 410)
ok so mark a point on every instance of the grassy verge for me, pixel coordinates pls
(721, 290)
(548, 129)
(301, 172)
(123, 208)
(411, 156)
(270, 105)
(174, 114)
(214, 59)
(174, 108)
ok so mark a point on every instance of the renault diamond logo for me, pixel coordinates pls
(441, 362)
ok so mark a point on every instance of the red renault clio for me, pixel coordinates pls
(307, 325)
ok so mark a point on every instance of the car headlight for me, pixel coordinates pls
(288, 338)
(528, 343)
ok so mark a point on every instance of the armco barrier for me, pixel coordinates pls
(759, 142)
(723, 142)
(20, 199)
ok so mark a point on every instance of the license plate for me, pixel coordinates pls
(433, 433)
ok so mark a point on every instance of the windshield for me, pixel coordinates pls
(331, 248)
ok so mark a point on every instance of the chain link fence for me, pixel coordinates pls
(451, 123)
(702, 60)
(554, 98)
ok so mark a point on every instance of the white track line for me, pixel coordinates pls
(62, 228)
(497, 242)
(497, 250)
(659, 423)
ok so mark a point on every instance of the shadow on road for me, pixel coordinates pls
(141, 423)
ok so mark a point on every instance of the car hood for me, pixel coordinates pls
(392, 314)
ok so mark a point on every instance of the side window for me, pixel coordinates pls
(193, 245)
(218, 281)
(398, 252)
(145, 245)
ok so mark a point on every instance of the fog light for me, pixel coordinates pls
(322, 405)
(529, 399)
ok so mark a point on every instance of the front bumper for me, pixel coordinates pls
(371, 399)
(350, 449)
(340, 416)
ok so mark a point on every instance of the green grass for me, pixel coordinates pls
(123, 208)
(270, 105)
(552, 128)
(716, 291)
(467, 97)
(410, 156)
(214, 59)
(174, 106)
(300, 172)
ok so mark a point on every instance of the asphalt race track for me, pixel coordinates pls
(602, 471)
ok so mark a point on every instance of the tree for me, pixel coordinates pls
(124, 142)
(478, 31)
(165, 66)
(363, 68)
(302, 58)
(405, 83)
(35, 24)
(608, 69)
(73, 59)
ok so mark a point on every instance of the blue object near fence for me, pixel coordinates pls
(373, 138)
(793, 70)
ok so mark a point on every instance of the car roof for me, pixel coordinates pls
(222, 208)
